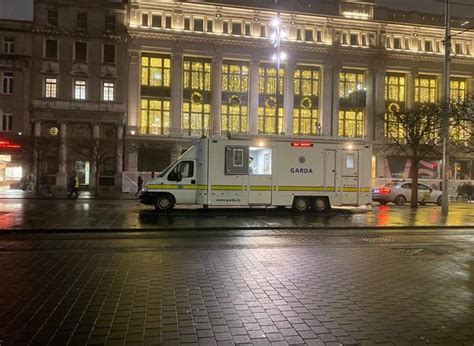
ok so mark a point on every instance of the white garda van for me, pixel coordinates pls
(302, 174)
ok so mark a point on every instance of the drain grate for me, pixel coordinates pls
(376, 240)
(425, 251)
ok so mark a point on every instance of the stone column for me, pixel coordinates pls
(470, 85)
(176, 94)
(36, 133)
(61, 177)
(369, 116)
(119, 157)
(216, 96)
(411, 89)
(289, 98)
(253, 97)
(379, 104)
(440, 87)
(133, 89)
(94, 164)
(325, 99)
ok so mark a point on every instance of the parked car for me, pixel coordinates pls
(400, 193)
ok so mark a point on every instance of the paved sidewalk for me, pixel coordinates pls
(143, 289)
(20, 194)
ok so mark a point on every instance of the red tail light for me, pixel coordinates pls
(385, 191)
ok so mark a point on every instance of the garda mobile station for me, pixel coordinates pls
(284, 172)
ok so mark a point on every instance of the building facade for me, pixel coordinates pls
(15, 126)
(202, 68)
(79, 90)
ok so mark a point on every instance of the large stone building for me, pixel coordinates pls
(142, 79)
(79, 94)
(205, 68)
(15, 74)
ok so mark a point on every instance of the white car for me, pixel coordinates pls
(400, 193)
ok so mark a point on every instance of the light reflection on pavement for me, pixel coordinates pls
(129, 214)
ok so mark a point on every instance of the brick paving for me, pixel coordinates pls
(268, 289)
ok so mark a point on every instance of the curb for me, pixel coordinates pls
(222, 229)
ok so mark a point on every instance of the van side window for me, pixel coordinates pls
(236, 160)
(186, 168)
(350, 161)
(260, 161)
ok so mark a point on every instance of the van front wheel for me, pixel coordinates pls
(164, 202)
(301, 204)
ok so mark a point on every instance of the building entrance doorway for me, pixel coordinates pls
(83, 172)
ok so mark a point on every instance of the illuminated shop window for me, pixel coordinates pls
(154, 116)
(306, 89)
(395, 93)
(235, 79)
(351, 123)
(351, 103)
(457, 89)
(196, 96)
(350, 82)
(156, 71)
(270, 101)
(426, 89)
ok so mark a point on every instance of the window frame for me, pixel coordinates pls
(45, 52)
(78, 88)
(8, 82)
(107, 89)
(52, 20)
(48, 85)
(86, 51)
(104, 53)
(83, 21)
(7, 122)
(8, 45)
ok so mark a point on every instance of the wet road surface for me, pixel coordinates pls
(238, 287)
(47, 214)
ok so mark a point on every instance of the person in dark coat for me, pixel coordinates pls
(139, 185)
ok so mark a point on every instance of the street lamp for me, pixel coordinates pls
(445, 132)
(278, 56)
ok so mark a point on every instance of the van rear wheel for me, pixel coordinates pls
(164, 202)
(301, 204)
(320, 204)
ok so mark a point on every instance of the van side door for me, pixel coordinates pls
(182, 181)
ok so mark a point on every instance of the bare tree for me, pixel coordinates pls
(42, 148)
(95, 150)
(416, 133)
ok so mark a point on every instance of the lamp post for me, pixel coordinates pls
(445, 171)
(275, 37)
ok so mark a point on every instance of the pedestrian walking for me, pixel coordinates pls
(45, 186)
(30, 183)
(74, 185)
(139, 185)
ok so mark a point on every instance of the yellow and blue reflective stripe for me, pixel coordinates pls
(254, 188)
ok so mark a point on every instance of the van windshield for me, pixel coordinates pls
(168, 168)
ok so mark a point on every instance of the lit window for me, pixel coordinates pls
(7, 83)
(108, 91)
(156, 71)
(8, 45)
(349, 82)
(305, 111)
(155, 116)
(50, 87)
(457, 88)
(270, 105)
(196, 96)
(395, 93)
(235, 79)
(426, 89)
(351, 123)
(79, 89)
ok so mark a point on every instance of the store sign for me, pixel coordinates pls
(6, 144)
(6, 158)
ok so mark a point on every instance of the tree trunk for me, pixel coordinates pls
(414, 183)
